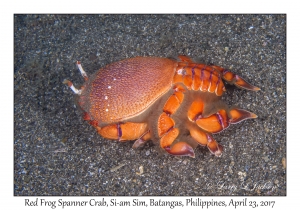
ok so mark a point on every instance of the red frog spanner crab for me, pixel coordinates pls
(174, 103)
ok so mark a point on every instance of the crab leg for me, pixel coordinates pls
(123, 131)
(235, 79)
(214, 123)
(199, 77)
(166, 126)
(168, 133)
(204, 139)
(220, 120)
(203, 76)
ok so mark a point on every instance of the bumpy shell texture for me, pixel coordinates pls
(125, 89)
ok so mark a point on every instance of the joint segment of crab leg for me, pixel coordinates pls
(199, 77)
(165, 126)
(83, 73)
(179, 148)
(70, 85)
(123, 131)
(195, 110)
(205, 139)
(235, 79)
(220, 120)
(174, 101)
(168, 134)
(214, 123)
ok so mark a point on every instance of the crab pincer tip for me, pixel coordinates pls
(256, 89)
(240, 82)
(238, 115)
(138, 143)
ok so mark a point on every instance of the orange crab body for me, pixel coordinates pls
(174, 103)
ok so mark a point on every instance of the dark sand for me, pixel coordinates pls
(57, 153)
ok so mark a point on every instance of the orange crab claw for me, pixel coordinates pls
(214, 123)
(238, 115)
(181, 149)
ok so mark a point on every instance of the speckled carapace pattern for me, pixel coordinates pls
(126, 88)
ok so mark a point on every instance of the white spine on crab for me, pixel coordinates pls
(75, 90)
(83, 73)
(70, 85)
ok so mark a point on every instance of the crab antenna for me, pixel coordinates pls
(74, 89)
(83, 73)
